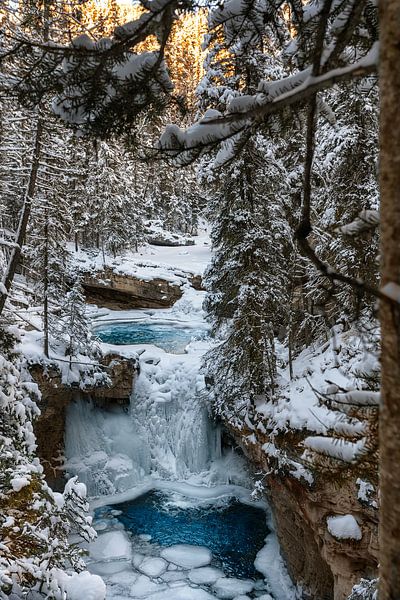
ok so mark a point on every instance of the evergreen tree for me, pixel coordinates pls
(36, 522)
(74, 327)
(247, 285)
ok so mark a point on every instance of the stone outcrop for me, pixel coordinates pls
(325, 567)
(55, 398)
(117, 291)
(196, 281)
(158, 238)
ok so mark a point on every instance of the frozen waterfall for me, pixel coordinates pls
(166, 431)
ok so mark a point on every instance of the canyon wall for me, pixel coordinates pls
(325, 567)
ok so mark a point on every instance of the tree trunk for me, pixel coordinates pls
(389, 586)
(23, 220)
(46, 286)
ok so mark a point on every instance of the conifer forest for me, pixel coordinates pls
(199, 300)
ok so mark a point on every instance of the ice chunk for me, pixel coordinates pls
(109, 567)
(153, 567)
(174, 576)
(228, 588)
(144, 586)
(187, 556)
(344, 527)
(182, 593)
(137, 559)
(125, 578)
(205, 575)
(113, 544)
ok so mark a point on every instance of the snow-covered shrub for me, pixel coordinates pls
(35, 522)
(365, 590)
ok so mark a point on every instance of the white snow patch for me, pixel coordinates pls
(82, 585)
(270, 563)
(365, 492)
(344, 527)
(18, 483)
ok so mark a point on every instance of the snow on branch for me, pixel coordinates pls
(299, 87)
(366, 220)
(243, 111)
(99, 85)
(186, 145)
(335, 448)
(359, 398)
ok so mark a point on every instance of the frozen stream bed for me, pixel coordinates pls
(163, 545)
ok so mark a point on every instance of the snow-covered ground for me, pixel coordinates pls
(151, 262)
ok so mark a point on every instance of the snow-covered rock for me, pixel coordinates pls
(187, 556)
(344, 527)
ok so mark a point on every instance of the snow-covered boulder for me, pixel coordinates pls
(344, 527)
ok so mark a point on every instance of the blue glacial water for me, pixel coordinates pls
(168, 337)
(234, 532)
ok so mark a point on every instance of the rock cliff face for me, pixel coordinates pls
(55, 398)
(325, 567)
(117, 292)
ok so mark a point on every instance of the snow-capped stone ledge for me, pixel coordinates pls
(344, 527)
(118, 291)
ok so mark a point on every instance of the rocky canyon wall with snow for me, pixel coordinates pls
(324, 560)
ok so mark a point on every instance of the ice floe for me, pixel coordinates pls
(187, 556)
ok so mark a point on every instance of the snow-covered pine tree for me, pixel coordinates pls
(113, 219)
(36, 559)
(74, 327)
(247, 284)
(46, 255)
(345, 184)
